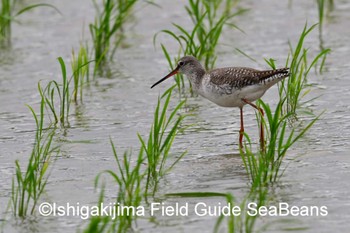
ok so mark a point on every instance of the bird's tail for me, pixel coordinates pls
(270, 77)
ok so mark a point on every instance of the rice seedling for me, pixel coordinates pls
(230, 201)
(81, 71)
(162, 134)
(64, 96)
(130, 193)
(5, 23)
(134, 182)
(245, 219)
(107, 30)
(130, 182)
(99, 223)
(208, 18)
(323, 5)
(265, 167)
(7, 16)
(28, 186)
(294, 87)
(239, 217)
(208, 23)
(58, 96)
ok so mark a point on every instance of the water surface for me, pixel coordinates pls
(122, 106)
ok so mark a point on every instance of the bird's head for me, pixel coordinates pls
(187, 65)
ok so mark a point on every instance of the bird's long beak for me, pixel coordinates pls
(175, 71)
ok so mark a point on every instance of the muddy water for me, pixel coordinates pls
(122, 105)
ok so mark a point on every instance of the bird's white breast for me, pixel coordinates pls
(228, 96)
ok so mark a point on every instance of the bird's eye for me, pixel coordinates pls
(181, 63)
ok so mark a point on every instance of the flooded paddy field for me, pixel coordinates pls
(120, 106)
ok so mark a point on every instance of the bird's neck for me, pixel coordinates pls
(196, 77)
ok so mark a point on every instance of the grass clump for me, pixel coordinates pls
(107, 30)
(208, 19)
(60, 113)
(28, 186)
(265, 167)
(237, 220)
(135, 181)
(5, 23)
(81, 71)
(245, 221)
(130, 193)
(161, 136)
(99, 223)
(322, 6)
(294, 88)
(58, 96)
(7, 16)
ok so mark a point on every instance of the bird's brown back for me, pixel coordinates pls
(239, 77)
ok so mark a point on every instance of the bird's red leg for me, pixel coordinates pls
(262, 138)
(241, 131)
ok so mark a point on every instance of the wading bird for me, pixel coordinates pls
(230, 86)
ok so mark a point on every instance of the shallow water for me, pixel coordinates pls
(121, 106)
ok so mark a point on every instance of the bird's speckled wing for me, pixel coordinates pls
(240, 77)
